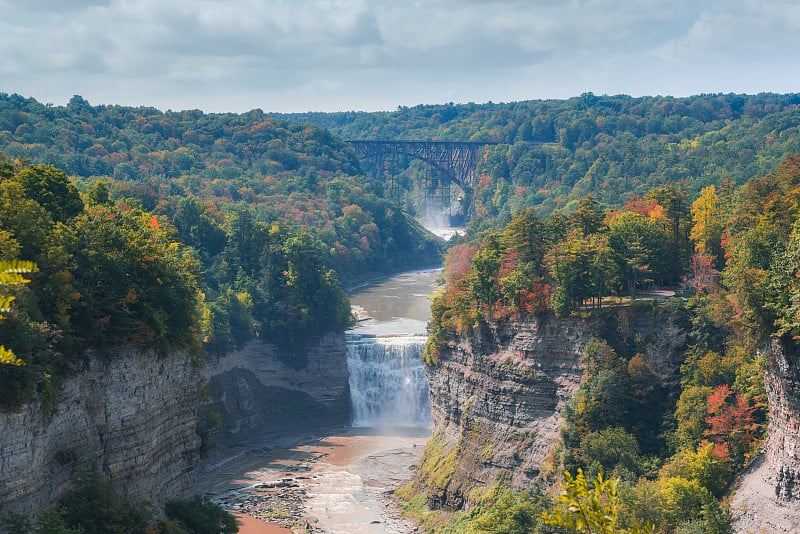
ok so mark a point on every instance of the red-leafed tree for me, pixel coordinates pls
(704, 277)
(458, 261)
(731, 424)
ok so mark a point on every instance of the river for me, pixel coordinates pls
(342, 483)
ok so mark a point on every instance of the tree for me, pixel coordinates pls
(95, 506)
(732, 426)
(583, 267)
(672, 197)
(570, 266)
(592, 510)
(28, 222)
(6, 167)
(483, 274)
(783, 295)
(457, 262)
(137, 284)
(99, 193)
(707, 225)
(614, 449)
(641, 246)
(199, 515)
(52, 189)
(198, 230)
(588, 217)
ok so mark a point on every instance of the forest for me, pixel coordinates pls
(201, 232)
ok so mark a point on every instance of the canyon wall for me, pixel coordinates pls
(136, 414)
(767, 497)
(258, 391)
(496, 395)
(133, 412)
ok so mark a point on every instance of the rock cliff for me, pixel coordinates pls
(133, 412)
(256, 392)
(496, 395)
(767, 498)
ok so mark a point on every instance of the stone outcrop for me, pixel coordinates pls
(257, 392)
(133, 412)
(496, 395)
(767, 498)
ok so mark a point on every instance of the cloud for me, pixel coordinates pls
(50, 6)
(236, 54)
(739, 30)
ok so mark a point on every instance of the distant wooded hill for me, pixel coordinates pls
(298, 174)
(608, 145)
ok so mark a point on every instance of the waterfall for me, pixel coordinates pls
(388, 386)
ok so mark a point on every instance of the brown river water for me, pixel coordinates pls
(341, 482)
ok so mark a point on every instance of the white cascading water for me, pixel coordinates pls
(388, 386)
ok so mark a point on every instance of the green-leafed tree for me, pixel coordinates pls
(52, 189)
(587, 217)
(590, 509)
(137, 284)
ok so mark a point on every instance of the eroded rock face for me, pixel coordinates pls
(767, 498)
(256, 391)
(133, 412)
(497, 394)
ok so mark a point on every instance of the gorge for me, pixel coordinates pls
(619, 302)
(334, 473)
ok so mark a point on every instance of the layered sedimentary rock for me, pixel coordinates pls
(133, 413)
(259, 390)
(496, 395)
(767, 498)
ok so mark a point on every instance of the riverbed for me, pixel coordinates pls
(342, 482)
(338, 484)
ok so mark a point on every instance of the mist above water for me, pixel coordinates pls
(438, 222)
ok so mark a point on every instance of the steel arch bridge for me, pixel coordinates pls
(455, 160)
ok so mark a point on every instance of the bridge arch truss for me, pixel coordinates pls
(455, 160)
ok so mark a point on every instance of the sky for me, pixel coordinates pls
(370, 55)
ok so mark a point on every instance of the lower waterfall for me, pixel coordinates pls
(388, 386)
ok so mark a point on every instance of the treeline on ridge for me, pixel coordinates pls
(607, 145)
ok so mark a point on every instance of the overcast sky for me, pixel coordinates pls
(328, 55)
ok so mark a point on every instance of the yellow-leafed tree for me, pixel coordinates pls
(11, 274)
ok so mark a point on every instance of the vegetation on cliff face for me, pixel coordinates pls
(563, 264)
(109, 274)
(112, 274)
